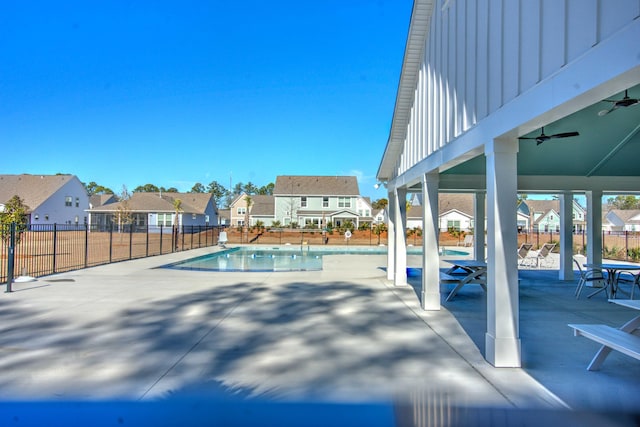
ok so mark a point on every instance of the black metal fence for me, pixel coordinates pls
(39, 250)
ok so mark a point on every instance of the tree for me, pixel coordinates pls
(198, 188)
(218, 191)
(147, 188)
(169, 190)
(266, 190)
(14, 211)
(177, 207)
(237, 189)
(93, 188)
(378, 229)
(250, 188)
(380, 204)
(249, 201)
(123, 214)
(624, 202)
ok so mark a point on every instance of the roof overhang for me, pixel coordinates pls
(413, 55)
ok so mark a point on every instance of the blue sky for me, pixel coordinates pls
(174, 93)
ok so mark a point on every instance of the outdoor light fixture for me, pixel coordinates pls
(378, 184)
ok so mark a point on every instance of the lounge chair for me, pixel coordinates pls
(468, 241)
(544, 253)
(591, 277)
(523, 254)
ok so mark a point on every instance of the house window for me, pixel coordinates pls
(344, 202)
(303, 202)
(68, 201)
(77, 202)
(242, 210)
(165, 219)
(455, 225)
(325, 202)
(241, 222)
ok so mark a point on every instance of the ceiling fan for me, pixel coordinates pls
(542, 137)
(617, 103)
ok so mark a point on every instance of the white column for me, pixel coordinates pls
(594, 226)
(391, 240)
(502, 340)
(566, 236)
(400, 277)
(430, 257)
(479, 238)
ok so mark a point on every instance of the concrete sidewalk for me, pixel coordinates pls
(131, 331)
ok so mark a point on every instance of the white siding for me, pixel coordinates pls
(481, 54)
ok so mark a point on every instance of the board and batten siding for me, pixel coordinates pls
(481, 54)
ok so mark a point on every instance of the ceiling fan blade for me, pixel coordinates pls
(565, 135)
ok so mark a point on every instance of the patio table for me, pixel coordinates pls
(464, 271)
(613, 270)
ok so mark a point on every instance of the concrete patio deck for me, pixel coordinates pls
(133, 332)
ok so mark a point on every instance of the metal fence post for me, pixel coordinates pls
(626, 245)
(131, 241)
(111, 243)
(86, 245)
(55, 247)
(11, 256)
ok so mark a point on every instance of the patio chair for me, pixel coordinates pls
(628, 278)
(590, 277)
(543, 255)
(523, 254)
(222, 239)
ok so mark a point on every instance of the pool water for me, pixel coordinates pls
(276, 259)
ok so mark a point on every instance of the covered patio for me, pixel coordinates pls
(528, 100)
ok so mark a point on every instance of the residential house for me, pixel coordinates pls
(51, 199)
(455, 211)
(224, 217)
(622, 220)
(544, 215)
(315, 201)
(156, 211)
(260, 209)
(380, 216)
(101, 199)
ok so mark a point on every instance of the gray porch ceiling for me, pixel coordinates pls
(608, 146)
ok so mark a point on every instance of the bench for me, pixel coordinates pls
(611, 339)
(461, 280)
(451, 278)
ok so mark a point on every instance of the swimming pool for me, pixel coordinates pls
(288, 258)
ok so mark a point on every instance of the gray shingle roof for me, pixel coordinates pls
(262, 205)
(316, 186)
(161, 202)
(32, 189)
(629, 216)
(101, 199)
